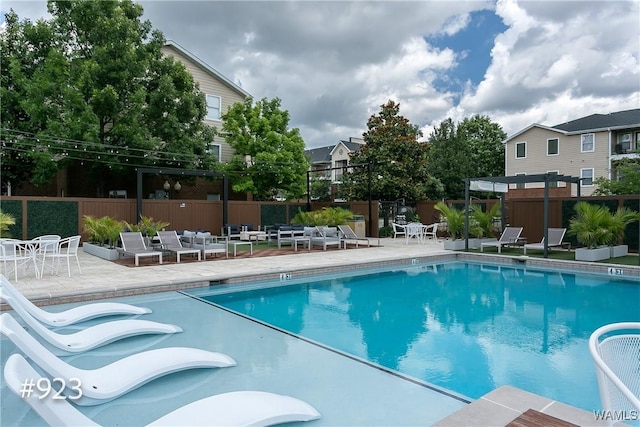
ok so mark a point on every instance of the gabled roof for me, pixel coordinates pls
(207, 68)
(535, 125)
(620, 119)
(320, 155)
(350, 146)
(592, 123)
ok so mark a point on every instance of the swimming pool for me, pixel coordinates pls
(463, 326)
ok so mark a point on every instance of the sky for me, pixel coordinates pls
(334, 63)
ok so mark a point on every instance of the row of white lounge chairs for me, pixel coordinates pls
(118, 378)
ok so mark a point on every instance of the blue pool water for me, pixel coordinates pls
(463, 326)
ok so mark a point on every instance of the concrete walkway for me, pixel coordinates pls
(101, 278)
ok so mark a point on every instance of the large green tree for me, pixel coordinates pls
(471, 149)
(91, 89)
(394, 162)
(269, 157)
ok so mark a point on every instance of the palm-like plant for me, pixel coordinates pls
(6, 221)
(592, 225)
(147, 226)
(482, 222)
(454, 218)
(619, 221)
(326, 216)
(102, 230)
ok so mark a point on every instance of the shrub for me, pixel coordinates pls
(595, 225)
(147, 226)
(454, 218)
(6, 220)
(325, 216)
(102, 230)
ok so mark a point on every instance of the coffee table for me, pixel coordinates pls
(237, 243)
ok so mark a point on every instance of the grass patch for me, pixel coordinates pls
(631, 259)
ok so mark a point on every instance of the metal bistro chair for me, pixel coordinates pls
(46, 246)
(615, 349)
(67, 249)
(19, 253)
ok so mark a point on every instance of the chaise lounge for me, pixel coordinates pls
(73, 315)
(236, 408)
(171, 242)
(509, 236)
(90, 337)
(133, 244)
(555, 240)
(108, 382)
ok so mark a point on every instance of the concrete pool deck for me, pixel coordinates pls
(101, 279)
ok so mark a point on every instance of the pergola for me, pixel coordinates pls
(182, 172)
(500, 184)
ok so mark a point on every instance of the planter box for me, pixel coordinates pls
(100, 251)
(597, 254)
(474, 243)
(454, 245)
(619, 250)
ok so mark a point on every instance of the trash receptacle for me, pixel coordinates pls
(357, 224)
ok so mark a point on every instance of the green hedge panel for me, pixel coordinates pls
(13, 208)
(44, 217)
(273, 214)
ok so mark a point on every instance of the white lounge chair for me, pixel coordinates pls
(350, 236)
(325, 237)
(237, 408)
(91, 337)
(615, 349)
(120, 377)
(555, 240)
(133, 244)
(509, 236)
(171, 242)
(73, 315)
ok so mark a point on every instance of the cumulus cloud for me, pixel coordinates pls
(334, 63)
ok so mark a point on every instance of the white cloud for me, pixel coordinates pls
(334, 63)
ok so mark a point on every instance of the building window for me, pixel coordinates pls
(587, 177)
(520, 185)
(521, 150)
(637, 147)
(587, 142)
(213, 107)
(213, 196)
(553, 147)
(624, 143)
(553, 184)
(214, 149)
(343, 165)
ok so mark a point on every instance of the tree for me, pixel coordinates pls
(393, 161)
(470, 149)
(486, 141)
(269, 157)
(95, 92)
(628, 169)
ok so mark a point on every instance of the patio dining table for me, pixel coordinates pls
(24, 252)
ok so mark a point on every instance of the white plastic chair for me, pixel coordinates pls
(399, 230)
(615, 349)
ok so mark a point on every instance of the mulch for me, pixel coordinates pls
(168, 259)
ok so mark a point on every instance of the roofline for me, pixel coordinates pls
(340, 143)
(537, 125)
(607, 129)
(207, 67)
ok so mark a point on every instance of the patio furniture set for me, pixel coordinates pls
(39, 253)
(200, 244)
